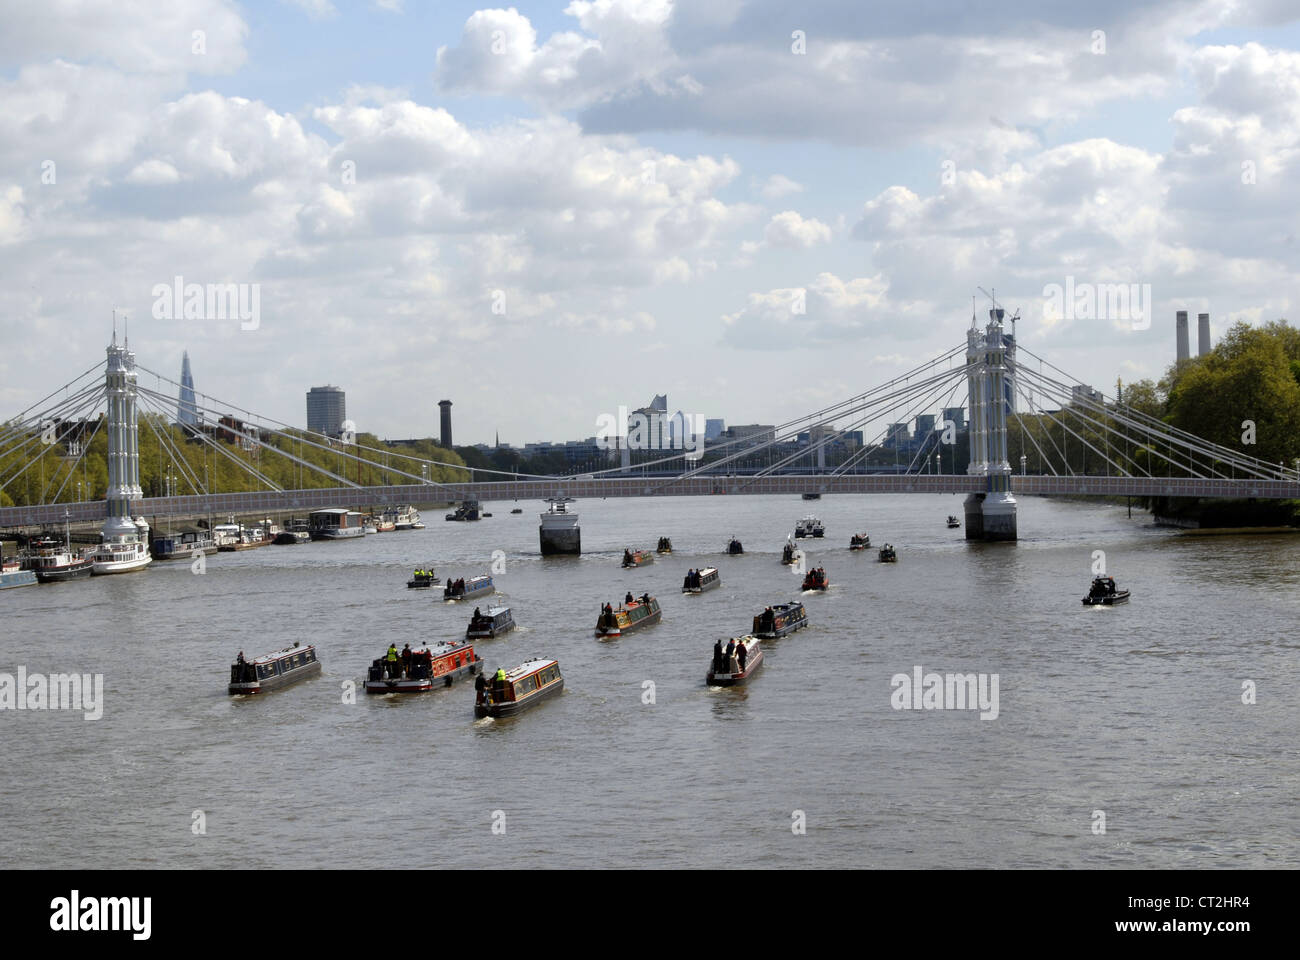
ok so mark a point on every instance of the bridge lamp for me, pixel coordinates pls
(1023, 461)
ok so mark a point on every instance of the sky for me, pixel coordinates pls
(549, 211)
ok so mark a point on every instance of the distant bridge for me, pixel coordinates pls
(268, 502)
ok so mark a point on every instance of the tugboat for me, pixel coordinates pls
(779, 620)
(12, 575)
(887, 554)
(55, 562)
(809, 526)
(1104, 593)
(273, 670)
(632, 615)
(859, 541)
(665, 546)
(422, 669)
(697, 581)
(637, 558)
(490, 625)
(816, 579)
(512, 691)
(734, 548)
(423, 578)
(953, 522)
(463, 589)
(735, 664)
(789, 553)
(467, 511)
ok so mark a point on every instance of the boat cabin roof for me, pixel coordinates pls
(332, 510)
(281, 654)
(527, 667)
(705, 571)
(493, 612)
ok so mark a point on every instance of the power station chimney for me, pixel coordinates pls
(445, 424)
(1184, 349)
(1202, 334)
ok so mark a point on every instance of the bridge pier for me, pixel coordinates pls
(990, 516)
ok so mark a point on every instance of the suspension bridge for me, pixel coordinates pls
(1080, 442)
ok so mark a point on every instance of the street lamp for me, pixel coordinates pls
(1023, 460)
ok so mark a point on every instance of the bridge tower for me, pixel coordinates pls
(990, 515)
(123, 446)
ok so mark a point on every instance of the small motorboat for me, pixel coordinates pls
(1104, 593)
(859, 541)
(665, 546)
(423, 578)
(637, 558)
(953, 522)
(816, 579)
(734, 548)
(789, 553)
(736, 663)
(517, 510)
(888, 554)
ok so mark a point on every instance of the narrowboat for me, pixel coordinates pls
(463, 589)
(185, 546)
(953, 522)
(816, 579)
(335, 524)
(422, 669)
(859, 541)
(734, 548)
(1104, 593)
(736, 663)
(512, 691)
(423, 578)
(12, 575)
(780, 619)
(467, 511)
(490, 625)
(888, 554)
(697, 581)
(637, 558)
(273, 670)
(632, 615)
(664, 546)
(789, 553)
(809, 526)
(54, 562)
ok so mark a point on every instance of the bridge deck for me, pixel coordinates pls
(301, 501)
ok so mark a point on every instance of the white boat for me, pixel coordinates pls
(809, 526)
(404, 518)
(124, 552)
(559, 531)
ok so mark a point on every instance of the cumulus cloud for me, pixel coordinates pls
(788, 229)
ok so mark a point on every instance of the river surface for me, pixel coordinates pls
(1135, 712)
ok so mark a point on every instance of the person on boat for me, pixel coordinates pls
(240, 659)
(717, 656)
(627, 555)
(608, 609)
(629, 598)
(406, 659)
(645, 598)
(477, 614)
(480, 688)
(742, 654)
(391, 657)
(730, 651)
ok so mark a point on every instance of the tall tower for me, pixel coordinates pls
(1202, 334)
(327, 408)
(990, 515)
(444, 424)
(187, 412)
(123, 445)
(1180, 323)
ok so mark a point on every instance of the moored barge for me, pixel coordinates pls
(779, 620)
(463, 589)
(12, 575)
(273, 670)
(490, 625)
(632, 615)
(512, 691)
(336, 524)
(697, 581)
(735, 664)
(422, 669)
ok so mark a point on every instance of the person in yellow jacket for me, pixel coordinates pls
(392, 659)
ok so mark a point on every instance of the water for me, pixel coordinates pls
(1135, 711)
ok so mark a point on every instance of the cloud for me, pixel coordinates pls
(777, 186)
(788, 229)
